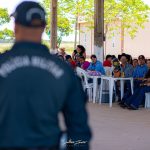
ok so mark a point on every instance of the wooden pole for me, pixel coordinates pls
(53, 39)
(99, 29)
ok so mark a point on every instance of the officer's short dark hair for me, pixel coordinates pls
(93, 56)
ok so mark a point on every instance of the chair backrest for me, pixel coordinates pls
(83, 75)
(108, 71)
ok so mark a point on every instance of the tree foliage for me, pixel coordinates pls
(68, 10)
(4, 17)
(64, 24)
(6, 34)
(128, 14)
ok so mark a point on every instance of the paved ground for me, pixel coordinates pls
(119, 129)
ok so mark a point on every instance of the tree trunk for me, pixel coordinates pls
(99, 29)
(106, 30)
(53, 39)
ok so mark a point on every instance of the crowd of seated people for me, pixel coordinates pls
(78, 59)
(140, 74)
(122, 66)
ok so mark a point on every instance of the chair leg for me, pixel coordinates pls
(98, 94)
(89, 95)
(101, 90)
(145, 102)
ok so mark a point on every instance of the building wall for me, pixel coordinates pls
(140, 44)
(86, 38)
(113, 44)
(137, 46)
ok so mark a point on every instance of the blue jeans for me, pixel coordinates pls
(128, 93)
(138, 97)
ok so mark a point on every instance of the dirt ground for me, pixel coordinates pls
(119, 129)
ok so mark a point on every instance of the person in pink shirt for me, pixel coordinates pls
(84, 64)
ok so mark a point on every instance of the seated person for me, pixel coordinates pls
(148, 63)
(107, 62)
(70, 61)
(62, 52)
(126, 71)
(61, 57)
(116, 68)
(140, 71)
(80, 50)
(138, 98)
(126, 68)
(96, 65)
(113, 57)
(77, 61)
(84, 64)
(138, 75)
(135, 63)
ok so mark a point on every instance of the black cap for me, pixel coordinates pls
(30, 14)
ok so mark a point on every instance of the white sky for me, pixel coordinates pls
(11, 5)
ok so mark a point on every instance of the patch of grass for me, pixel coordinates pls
(4, 47)
(69, 46)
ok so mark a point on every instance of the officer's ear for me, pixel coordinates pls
(17, 28)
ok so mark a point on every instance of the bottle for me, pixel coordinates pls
(122, 74)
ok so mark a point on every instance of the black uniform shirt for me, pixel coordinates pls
(34, 87)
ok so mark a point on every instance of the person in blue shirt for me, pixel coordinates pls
(96, 65)
(138, 74)
(141, 69)
(138, 98)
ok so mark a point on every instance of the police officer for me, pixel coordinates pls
(34, 87)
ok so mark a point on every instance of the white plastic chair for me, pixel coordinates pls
(84, 78)
(147, 100)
